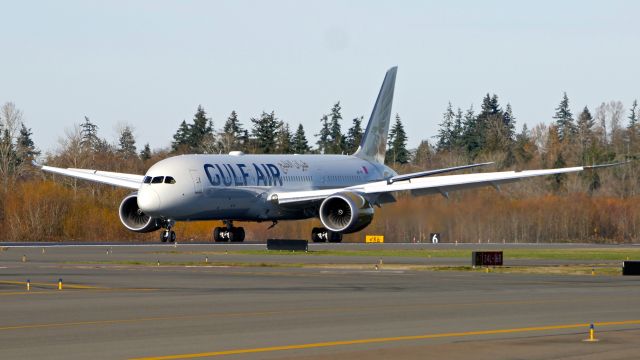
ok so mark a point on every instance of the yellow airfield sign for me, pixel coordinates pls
(374, 239)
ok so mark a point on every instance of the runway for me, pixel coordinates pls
(128, 311)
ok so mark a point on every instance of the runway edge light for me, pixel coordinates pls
(592, 337)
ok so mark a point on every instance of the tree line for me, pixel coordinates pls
(270, 135)
(35, 206)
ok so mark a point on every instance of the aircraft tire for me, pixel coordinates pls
(238, 234)
(334, 237)
(216, 234)
(315, 235)
(172, 236)
(164, 236)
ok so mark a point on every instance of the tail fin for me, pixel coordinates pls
(374, 141)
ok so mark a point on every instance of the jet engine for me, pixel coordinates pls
(134, 219)
(346, 212)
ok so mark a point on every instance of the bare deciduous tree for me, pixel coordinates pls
(10, 120)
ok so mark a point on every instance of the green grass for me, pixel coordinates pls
(187, 263)
(536, 254)
(545, 270)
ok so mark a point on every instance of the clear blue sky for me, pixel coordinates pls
(150, 63)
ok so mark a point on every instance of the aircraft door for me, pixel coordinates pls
(197, 181)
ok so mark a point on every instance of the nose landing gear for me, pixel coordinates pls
(168, 235)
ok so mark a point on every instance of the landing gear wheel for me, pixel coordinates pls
(323, 235)
(218, 234)
(168, 236)
(317, 235)
(228, 233)
(335, 237)
(238, 234)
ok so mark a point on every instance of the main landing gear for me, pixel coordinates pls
(228, 233)
(324, 235)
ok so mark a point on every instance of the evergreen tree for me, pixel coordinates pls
(584, 132)
(299, 144)
(509, 122)
(476, 127)
(180, 138)
(200, 132)
(336, 139)
(354, 136)
(558, 182)
(244, 140)
(25, 148)
(265, 129)
(633, 129)
(397, 145)
(283, 139)
(145, 154)
(456, 134)
(89, 133)
(127, 143)
(489, 132)
(445, 132)
(564, 120)
(633, 114)
(232, 134)
(469, 139)
(324, 136)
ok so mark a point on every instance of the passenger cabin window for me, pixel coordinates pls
(169, 180)
(157, 180)
(147, 180)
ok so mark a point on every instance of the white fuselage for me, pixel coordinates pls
(238, 187)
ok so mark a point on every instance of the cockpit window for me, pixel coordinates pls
(169, 180)
(147, 180)
(157, 180)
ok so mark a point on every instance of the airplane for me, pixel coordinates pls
(340, 190)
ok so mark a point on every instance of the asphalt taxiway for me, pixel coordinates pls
(111, 308)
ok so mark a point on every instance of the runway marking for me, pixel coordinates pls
(66, 286)
(385, 339)
(51, 292)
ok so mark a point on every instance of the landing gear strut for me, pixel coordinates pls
(228, 233)
(168, 235)
(324, 235)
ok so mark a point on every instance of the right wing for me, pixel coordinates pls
(426, 185)
(130, 181)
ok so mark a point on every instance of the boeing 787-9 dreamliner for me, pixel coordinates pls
(341, 190)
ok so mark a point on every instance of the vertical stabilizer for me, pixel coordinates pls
(374, 141)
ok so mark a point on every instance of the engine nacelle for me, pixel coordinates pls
(346, 212)
(134, 219)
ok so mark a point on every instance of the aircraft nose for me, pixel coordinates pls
(148, 201)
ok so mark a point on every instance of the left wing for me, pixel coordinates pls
(130, 181)
(427, 185)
